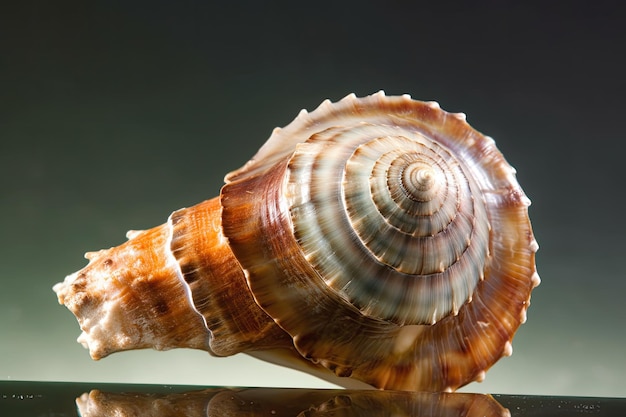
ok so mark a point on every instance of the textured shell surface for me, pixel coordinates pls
(378, 241)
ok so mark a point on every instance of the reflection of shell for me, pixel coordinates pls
(288, 402)
(380, 238)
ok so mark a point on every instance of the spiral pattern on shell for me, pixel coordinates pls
(392, 203)
(380, 238)
(387, 218)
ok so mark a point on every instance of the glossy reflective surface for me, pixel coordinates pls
(89, 400)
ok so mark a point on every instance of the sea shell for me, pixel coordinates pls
(380, 238)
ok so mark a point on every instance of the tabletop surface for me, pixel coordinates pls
(25, 398)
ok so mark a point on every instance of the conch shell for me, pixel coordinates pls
(380, 238)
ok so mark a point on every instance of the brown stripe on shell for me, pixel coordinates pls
(219, 290)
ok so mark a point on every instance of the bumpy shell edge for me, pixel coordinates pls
(454, 351)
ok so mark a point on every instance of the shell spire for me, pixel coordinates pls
(378, 238)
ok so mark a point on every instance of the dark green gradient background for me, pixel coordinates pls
(115, 113)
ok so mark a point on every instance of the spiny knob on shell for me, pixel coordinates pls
(379, 238)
